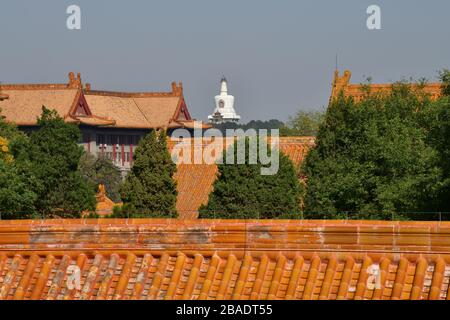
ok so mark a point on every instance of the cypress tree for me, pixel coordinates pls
(242, 192)
(54, 155)
(149, 189)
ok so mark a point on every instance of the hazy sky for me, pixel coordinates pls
(278, 55)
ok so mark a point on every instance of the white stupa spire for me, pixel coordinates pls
(223, 86)
(224, 111)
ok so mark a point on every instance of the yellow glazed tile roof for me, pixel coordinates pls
(341, 84)
(217, 259)
(22, 104)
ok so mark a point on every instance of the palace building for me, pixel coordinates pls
(111, 123)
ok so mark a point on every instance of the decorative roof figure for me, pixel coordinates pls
(2, 96)
(105, 205)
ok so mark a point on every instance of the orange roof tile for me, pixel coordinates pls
(342, 84)
(296, 148)
(3, 96)
(194, 184)
(22, 104)
(130, 112)
(218, 259)
(195, 181)
(25, 106)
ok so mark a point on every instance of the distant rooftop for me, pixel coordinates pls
(78, 103)
(341, 84)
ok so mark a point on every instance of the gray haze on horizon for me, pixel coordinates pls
(278, 56)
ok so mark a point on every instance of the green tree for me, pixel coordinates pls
(16, 179)
(101, 170)
(149, 189)
(304, 123)
(436, 120)
(55, 154)
(5, 154)
(372, 159)
(18, 142)
(444, 76)
(16, 196)
(242, 192)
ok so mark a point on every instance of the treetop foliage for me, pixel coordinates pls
(101, 170)
(304, 123)
(149, 189)
(43, 178)
(241, 192)
(54, 154)
(380, 158)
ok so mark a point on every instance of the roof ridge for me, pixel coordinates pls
(130, 94)
(177, 91)
(379, 85)
(35, 86)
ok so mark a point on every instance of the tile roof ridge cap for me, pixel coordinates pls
(390, 84)
(121, 94)
(35, 86)
(295, 139)
(212, 222)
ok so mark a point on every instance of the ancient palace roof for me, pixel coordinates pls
(223, 259)
(22, 104)
(341, 84)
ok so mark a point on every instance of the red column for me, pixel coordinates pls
(123, 155)
(131, 154)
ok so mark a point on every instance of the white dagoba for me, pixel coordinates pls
(224, 111)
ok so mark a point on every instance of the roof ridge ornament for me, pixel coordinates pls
(2, 96)
(74, 82)
(177, 89)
